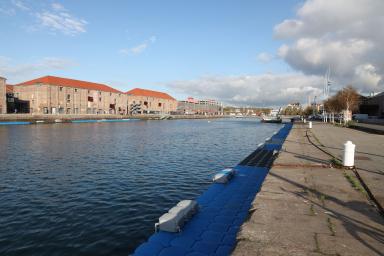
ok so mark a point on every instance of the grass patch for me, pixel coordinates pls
(312, 211)
(317, 244)
(336, 163)
(354, 182)
(331, 226)
(322, 199)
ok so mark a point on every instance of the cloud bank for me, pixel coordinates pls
(256, 90)
(341, 34)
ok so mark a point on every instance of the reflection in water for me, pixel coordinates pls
(98, 188)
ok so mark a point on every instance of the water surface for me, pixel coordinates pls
(98, 188)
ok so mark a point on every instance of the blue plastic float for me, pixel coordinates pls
(222, 210)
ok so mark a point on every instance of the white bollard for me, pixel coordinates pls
(305, 120)
(349, 154)
(310, 125)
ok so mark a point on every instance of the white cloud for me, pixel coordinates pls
(343, 35)
(61, 22)
(7, 11)
(16, 72)
(255, 90)
(140, 48)
(264, 57)
(57, 7)
(21, 5)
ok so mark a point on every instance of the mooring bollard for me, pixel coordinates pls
(310, 125)
(349, 154)
(305, 120)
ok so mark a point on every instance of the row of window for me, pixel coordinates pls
(89, 91)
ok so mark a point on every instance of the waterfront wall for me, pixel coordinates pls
(3, 97)
(50, 118)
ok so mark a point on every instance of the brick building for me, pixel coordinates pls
(143, 101)
(55, 95)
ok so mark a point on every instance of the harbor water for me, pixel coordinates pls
(98, 188)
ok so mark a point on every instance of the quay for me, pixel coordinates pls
(222, 209)
(306, 206)
(14, 119)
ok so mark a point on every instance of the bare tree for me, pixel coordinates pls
(348, 98)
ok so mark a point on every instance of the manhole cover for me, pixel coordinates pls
(362, 158)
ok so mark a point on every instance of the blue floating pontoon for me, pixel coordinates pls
(14, 123)
(222, 210)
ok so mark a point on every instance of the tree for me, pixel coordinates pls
(348, 98)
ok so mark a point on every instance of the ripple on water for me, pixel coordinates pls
(98, 189)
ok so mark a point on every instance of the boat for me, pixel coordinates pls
(273, 117)
(276, 120)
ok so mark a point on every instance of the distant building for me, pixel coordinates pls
(142, 101)
(373, 105)
(193, 106)
(3, 98)
(294, 105)
(56, 95)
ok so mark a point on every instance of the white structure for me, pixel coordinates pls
(349, 154)
(174, 219)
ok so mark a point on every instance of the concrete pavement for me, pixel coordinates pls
(305, 207)
(369, 156)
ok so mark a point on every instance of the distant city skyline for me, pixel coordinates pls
(242, 53)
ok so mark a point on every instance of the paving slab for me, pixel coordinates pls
(369, 157)
(305, 207)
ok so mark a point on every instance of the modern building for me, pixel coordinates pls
(142, 101)
(193, 106)
(373, 105)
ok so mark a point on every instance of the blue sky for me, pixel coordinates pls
(173, 46)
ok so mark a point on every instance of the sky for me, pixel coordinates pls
(244, 53)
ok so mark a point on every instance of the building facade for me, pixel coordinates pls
(55, 95)
(142, 101)
(193, 106)
(373, 105)
(3, 97)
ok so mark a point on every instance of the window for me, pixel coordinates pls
(99, 98)
(61, 88)
(159, 104)
(99, 93)
(68, 97)
(145, 103)
(45, 110)
(75, 90)
(110, 94)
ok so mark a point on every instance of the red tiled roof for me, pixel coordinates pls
(9, 88)
(149, 93)
(59, 81)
